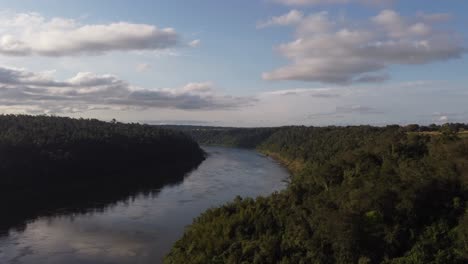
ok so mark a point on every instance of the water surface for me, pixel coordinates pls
(143, 228)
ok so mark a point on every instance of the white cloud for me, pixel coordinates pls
(290, 18)
(143, 67)
(397, 27)
(40, 93)
(449, 117)
(26, 34)
(335, 52)
(330, 2)
(198, 88)
(315, 23)
(195, 43)
(313, 92)
(443, 119)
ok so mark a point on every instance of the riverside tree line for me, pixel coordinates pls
(358, 194)
(49, 162)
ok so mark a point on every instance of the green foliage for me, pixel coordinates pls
(360, 195)
(47, 150)
(449, 132)
(229, 137)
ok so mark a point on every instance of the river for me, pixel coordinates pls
(142, 228)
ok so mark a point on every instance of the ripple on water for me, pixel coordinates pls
(143, 228)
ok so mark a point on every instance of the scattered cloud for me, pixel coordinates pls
(443, 119)
(357, 109)
(339, 52)
(180, 122)
(291, 18)
(342, 111)
(26, 34)
(143, 67)
(331, 2)
(41, 93)
(373, 78)
(312, 92)
(195, 43)
(446, 117)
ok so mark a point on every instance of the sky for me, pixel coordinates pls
(236, 63)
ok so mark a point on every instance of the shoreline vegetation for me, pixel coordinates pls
(53, 165)
(358, 194)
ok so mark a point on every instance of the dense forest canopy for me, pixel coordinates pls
(52, 162)
(226, 136)
(43, 147)
(357, 195)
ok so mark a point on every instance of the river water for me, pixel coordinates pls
(142, 229)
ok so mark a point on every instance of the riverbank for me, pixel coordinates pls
(142, 227)
(358, 195)
(49, 163)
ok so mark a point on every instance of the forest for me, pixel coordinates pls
(358, 194)
(47, 163)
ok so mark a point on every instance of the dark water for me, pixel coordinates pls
(142, 228)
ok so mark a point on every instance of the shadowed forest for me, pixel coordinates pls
(357, 194)
(50, 165)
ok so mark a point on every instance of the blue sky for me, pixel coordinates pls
(243, 63)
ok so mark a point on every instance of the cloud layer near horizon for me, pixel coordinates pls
(25, 34)
(343, 52)
(41, 93)
(331, 2)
